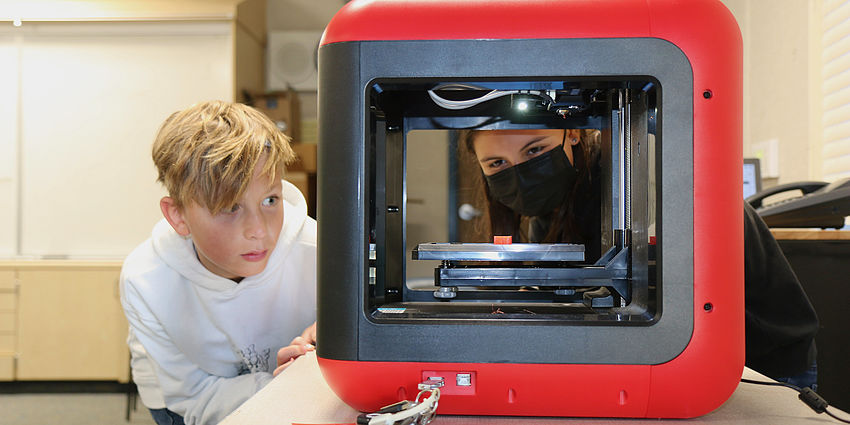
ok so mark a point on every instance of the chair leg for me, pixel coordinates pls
(132, 396)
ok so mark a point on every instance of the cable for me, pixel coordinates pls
(807, 395)
(464, 104)
(405, 412)
(774, 384)
(468, 103)
(836, 417)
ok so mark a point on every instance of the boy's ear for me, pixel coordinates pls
(174, 215)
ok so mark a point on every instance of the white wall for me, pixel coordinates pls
(777, 106)
(427, 205)
(284, 15)
(294, 15)
(8, 139)
(88, 103)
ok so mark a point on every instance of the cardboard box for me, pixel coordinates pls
(300, 180)
(306, 183)
(283, 107)
(306, 161)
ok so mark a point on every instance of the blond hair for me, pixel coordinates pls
(208, 153)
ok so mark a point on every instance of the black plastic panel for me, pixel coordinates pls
(347, 333)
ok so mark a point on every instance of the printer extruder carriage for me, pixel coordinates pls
(662, 81)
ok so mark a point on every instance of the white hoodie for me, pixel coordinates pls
(202, 344)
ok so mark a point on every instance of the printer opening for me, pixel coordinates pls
(456, 236)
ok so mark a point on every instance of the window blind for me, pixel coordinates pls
(835, 88)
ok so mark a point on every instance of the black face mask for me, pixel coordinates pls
(537, 186)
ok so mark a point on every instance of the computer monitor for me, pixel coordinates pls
(752, 177)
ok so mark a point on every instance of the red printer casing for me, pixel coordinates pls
(681, 357)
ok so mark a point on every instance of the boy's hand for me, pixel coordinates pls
(286, 355)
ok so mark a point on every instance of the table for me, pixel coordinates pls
(299, 395)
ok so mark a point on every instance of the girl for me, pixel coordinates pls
(541, 185)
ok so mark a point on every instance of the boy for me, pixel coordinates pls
(228, 276)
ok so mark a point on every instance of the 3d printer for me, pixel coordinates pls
(651, 326)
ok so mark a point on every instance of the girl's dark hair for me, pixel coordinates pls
(564, 223)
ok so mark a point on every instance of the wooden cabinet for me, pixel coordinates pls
(8, 304)
(65, 322)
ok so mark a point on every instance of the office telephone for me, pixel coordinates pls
(821, 204)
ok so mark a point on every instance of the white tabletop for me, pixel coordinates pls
(299, 395)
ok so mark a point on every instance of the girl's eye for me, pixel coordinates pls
(497, 163)
(534, 150)
(270, 201)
